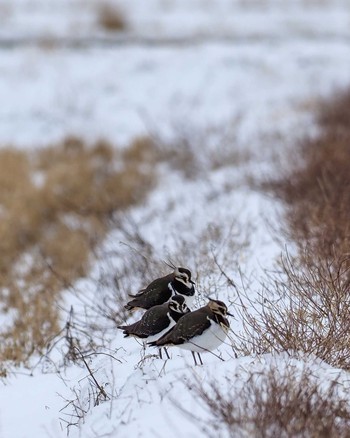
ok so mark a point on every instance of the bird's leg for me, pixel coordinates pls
(194, 358)
(200, 359)
(166, 352)
(160, 353)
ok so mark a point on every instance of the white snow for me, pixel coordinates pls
(218, 73)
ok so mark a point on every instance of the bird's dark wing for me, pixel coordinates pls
(140, 292)
(147, 301)
(190, 325)
(151, 323)
(156, 293)
(159, 283)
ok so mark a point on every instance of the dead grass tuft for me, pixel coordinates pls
(111, 18)
(308, 309)
(274, 403)
(56, 205)
(334, 114)
(316, 192)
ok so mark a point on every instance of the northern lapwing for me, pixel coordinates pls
(162, 289)
(199, 331)
(157, 320)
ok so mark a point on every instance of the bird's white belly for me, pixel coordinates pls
(208, 341)
(158, 335)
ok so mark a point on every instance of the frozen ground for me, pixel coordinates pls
(182, 68)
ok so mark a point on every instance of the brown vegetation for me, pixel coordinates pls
(274, 403)
(55, 207)
(110, 17)
(307, 310)
(317, 192)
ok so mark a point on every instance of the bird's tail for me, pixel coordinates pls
(124, 328)
(133, 305)
(152, 344)
(140, 292)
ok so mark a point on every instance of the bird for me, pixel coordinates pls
(157, 320)
(162, 289)
(199, 331)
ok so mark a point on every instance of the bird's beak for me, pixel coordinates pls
(230, 314)
(193, 282)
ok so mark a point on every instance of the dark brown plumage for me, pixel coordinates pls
(158, 320)
(199, 331)
(162, 289)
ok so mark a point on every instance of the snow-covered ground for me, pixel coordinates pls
(251, 74)
(122, 89)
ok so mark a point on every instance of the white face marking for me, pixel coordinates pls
(183, 277)
(184, 280)
(217, 308)
(179, 308)
(188, 299)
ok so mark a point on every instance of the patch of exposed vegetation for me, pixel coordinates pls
(316, 191)
(273, 403)
(307, 307)
(55, 206)
(110, 17)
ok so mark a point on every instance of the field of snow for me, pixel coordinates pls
(222, 75)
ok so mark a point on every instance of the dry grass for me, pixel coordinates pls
(307, 309)
(56, 205)
(334, 114)
(110, 17)
(317, 193)
(274, 403)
